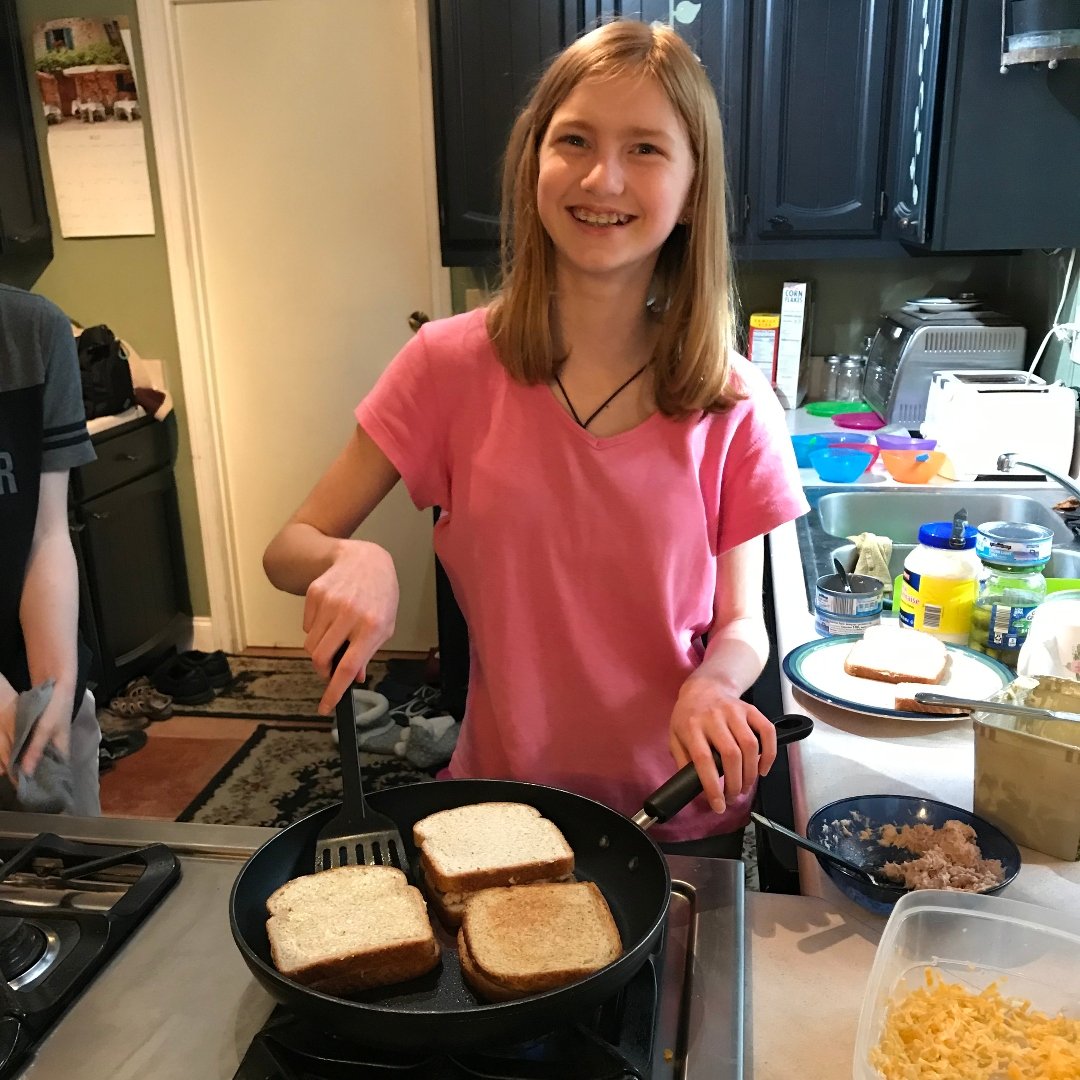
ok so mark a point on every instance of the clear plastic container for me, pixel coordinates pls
(1031, 952)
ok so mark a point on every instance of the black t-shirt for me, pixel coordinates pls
(42, 429)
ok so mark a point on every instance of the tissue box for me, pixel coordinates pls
(1027, 772)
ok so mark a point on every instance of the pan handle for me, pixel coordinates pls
(668, 799)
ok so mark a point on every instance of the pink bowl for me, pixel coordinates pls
(863, 421)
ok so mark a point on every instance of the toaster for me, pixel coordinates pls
(978, 415)
(911, 344)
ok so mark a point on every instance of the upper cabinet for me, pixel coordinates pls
(852, 127)
(25, 236)
(984, 160)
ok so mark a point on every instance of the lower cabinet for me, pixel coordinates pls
(125, 525)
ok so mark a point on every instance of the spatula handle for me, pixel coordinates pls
(668, 799)
(352, 787)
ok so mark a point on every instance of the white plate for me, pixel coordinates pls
(817, 668)
(943, 303)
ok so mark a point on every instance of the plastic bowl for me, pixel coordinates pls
(873, 811)
(840, 464)
(913, 466)
(904, 442)
(803, 444)
(1030, 951)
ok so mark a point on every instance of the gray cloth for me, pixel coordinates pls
(49, 790)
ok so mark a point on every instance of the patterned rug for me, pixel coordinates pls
(281, 774)
(281, 688)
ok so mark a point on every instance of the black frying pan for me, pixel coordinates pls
(438, 1010)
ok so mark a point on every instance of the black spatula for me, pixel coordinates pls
(356, 835)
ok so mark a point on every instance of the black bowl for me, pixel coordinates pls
(871, 812)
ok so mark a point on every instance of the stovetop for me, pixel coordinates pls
(65, 909)
(177, 1001)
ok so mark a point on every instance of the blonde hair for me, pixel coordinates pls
(693, 298)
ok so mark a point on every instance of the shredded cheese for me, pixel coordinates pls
(943, 1031)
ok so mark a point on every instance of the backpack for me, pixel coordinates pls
(106, 375)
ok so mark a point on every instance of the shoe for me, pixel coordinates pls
(141, 698)
(185, 684)
(114, 747)
(214, 664)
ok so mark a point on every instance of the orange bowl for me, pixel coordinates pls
(913, 466)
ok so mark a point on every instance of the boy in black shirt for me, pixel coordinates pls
(42, 436)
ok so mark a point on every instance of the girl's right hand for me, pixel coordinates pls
(354, 601)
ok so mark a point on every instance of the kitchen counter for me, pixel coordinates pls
(850, 754)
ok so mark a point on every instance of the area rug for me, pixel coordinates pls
(278, 688)
(281, 774)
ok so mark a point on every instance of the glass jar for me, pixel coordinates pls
(832, 371)
(849, 379)
(1002, 614)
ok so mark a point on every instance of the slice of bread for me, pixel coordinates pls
(531, 938)
(350, 928)
(489, 844)
(896, 654)
(905, 699)
(450, 906)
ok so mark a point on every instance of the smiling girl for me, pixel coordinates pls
(606, 464)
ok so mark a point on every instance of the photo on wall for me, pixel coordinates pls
(89, 93)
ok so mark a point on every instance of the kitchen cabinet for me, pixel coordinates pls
(853, 127)
(125, 524)
(983, 160)
(25, 236)
(818, 107)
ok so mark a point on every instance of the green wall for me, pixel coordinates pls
(121, 281)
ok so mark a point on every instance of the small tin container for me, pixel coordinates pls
(1013, 543)
(838, 612)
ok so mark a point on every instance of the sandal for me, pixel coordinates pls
(140, 698)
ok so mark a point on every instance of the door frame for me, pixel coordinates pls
(163, 84)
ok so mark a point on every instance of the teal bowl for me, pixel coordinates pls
(840, 464)
(805, 444)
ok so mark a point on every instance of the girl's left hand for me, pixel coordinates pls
(706, 717)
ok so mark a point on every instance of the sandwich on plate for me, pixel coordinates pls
(350, 928)
(484, 845)
(531, 938)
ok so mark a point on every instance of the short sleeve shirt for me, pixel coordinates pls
(585, 567)
(42, 429)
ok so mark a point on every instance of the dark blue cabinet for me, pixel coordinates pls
(25, 236)
(819, 79)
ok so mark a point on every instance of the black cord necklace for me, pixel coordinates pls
(596, 412)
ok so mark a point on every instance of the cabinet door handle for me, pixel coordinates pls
(127, 457)
(99, 515)
(77, 527)
(780, 222)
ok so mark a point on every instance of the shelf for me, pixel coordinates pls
(1049, 56)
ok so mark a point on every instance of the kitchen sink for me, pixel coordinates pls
(836, 515)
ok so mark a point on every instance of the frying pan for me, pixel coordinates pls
(438, 1010)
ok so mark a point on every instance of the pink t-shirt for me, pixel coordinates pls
(585, 567)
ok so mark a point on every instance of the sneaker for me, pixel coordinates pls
(185, 684)
(214, 664)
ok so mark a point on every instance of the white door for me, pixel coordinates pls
(309, 155)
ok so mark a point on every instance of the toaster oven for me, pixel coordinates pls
(910, 345)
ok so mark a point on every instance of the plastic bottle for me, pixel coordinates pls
(941, 578)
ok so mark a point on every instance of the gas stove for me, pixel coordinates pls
(175, 1001)
(65, 909)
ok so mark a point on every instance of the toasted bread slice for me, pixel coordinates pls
(350, 928)
(490, 844)
(527, 939)
(897, 655)
(905, 699)
(450, 906)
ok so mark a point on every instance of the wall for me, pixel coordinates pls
(121, 281)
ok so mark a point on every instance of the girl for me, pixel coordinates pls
(605, 464)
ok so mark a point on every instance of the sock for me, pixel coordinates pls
(380, 739)
(431, 740)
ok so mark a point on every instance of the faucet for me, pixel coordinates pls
(1006, 461)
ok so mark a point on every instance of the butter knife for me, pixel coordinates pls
(1008, 709)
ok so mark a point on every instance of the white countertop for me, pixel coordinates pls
(851, 754)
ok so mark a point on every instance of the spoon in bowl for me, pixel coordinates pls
(819, 849)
